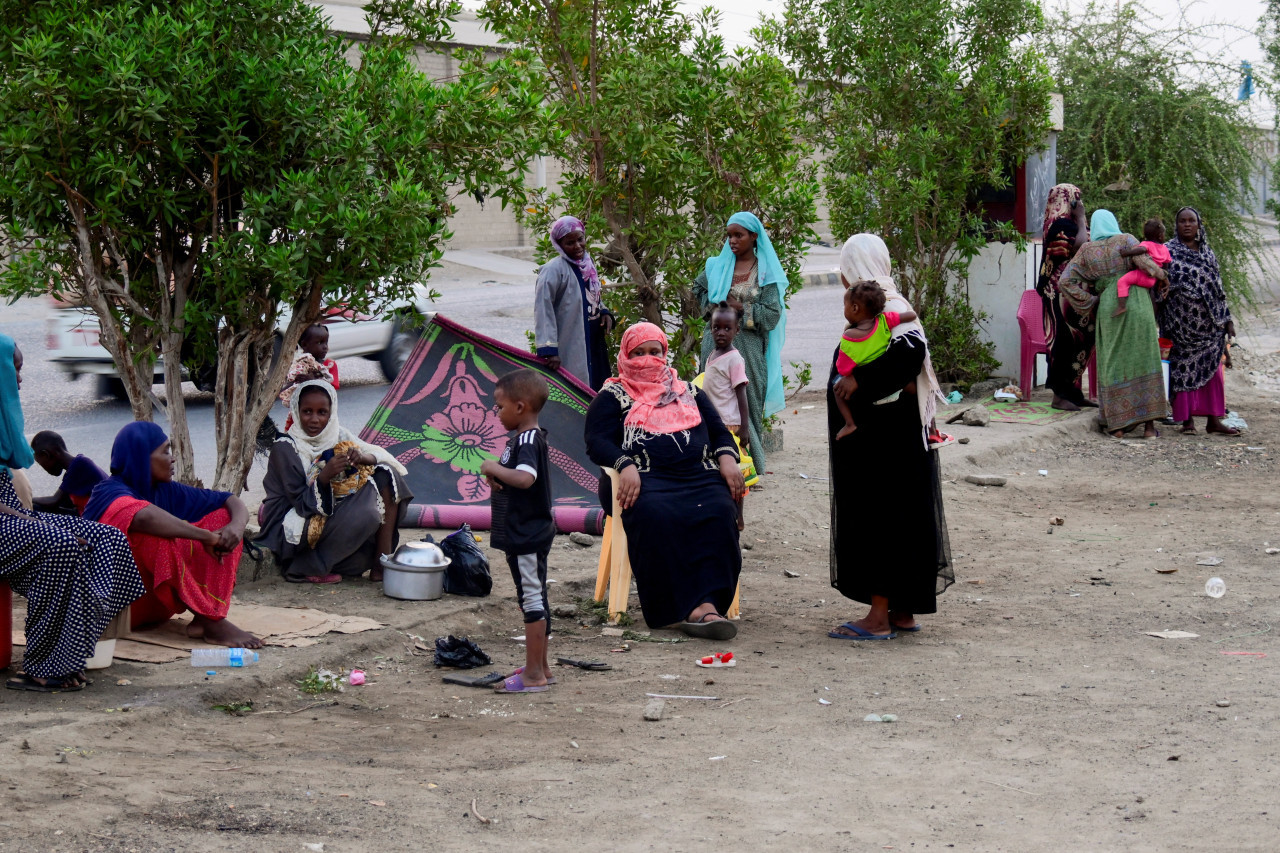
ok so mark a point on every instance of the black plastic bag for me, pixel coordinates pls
(459, 652)
(468, 571)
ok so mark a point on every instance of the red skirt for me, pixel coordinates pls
(1209, 400)
(179, 574)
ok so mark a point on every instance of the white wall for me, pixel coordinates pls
(997, 279)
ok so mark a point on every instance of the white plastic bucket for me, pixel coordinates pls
(103, 654)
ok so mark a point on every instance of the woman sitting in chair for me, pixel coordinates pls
(678, 478)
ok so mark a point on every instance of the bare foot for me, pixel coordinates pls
(704, 612)
(223, 633)
(880, 630)
(1119, 310)
(899, 621)
(375, 575)
(1150, 431)
(1063, 405)
(1214, 425)
(847, 429)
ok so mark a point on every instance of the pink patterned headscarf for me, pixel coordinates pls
(1058, 205)
(563, 227)
(660, 401)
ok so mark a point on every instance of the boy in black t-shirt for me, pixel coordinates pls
(522, 525)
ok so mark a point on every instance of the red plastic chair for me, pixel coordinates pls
(1031, 324)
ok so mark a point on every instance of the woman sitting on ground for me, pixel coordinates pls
(186, 541)
(678, 480)
(333, 502)
(76, 575)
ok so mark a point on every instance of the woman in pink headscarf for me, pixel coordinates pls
(679, 477)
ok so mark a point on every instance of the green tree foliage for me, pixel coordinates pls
(195, 172)
(667, 136)
(916, 105)
(1152, 124)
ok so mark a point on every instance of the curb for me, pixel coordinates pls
(821, 279)
(1079, 427)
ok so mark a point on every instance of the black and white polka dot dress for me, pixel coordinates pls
(72, 590)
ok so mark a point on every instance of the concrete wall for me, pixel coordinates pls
(997, 279)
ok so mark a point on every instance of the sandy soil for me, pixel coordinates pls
(1033, 712)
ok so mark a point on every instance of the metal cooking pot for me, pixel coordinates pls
(415, 572)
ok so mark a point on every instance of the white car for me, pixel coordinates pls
(71, 340)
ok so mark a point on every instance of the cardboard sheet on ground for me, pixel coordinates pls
(291, 627)
(438, 420)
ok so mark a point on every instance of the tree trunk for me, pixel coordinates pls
(94, 287)
(171, 333)
(240, 406)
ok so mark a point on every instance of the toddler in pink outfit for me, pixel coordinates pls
(1154, 242)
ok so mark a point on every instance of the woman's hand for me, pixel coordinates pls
(628, 486)
(845, 386)
(356, 458)
(553, 362)
(1230, 328)
(225, 540)
(333, 468)
(732, 475)
(210, 541)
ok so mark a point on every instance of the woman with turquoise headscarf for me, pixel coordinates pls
(76, 575)
(748, 276)
(1130, 379)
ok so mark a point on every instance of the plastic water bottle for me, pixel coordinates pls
(1215, 587)
(223, 657)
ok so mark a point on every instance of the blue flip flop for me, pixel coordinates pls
(859, 634)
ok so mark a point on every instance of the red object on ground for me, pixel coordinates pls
(6, 625)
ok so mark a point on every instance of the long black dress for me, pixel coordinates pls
(682, 531)
(888, 532)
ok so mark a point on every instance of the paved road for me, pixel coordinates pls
(502, 310)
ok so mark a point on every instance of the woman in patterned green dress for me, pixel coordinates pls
(748, 275)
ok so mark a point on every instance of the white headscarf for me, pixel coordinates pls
(310, 447)
(865, 257)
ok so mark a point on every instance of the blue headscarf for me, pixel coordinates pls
(720, 278)
(15, 452)
(1103, 225)
(131, 478)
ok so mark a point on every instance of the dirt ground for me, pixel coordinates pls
(1033, 711)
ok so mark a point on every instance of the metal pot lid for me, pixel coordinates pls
(422, 555)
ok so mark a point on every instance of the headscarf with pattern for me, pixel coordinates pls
(660, 401)
(563, 227)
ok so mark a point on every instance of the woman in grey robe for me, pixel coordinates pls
(333, 501)
(571, 322)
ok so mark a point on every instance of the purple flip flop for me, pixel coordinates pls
(515, 684)
(551, 679)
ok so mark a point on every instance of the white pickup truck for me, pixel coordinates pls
(71, 341)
